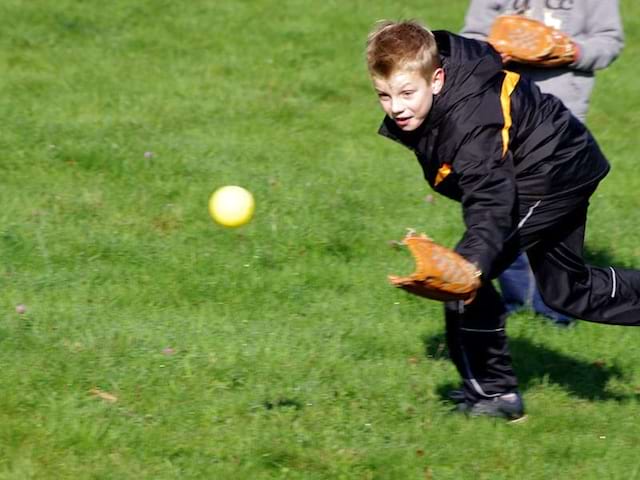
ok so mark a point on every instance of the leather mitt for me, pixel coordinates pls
(440, 273)
(525, 40)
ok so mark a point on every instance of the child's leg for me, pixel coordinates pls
(519, 290)
(517, 284)
(478, 345)
(598, 294)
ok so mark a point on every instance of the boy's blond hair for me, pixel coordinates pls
(393, 46)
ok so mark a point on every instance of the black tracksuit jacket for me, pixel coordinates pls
(495, 143)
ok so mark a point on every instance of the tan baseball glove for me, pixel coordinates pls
(440, 273)
(525, 40)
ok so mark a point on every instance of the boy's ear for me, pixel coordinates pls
(437, 81)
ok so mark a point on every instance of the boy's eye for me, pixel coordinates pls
(408, 93)
(383, 96)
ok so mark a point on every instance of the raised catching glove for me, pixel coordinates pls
(440, 273)
(525, 40)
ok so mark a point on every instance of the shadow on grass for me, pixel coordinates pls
(535, 364)
(603, 258)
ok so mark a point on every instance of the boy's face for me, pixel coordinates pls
(406, 96)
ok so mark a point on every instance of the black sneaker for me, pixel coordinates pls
(508, 406)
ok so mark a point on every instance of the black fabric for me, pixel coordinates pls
(550, 153)
(554, 237)
(609, 295)
(477, 344)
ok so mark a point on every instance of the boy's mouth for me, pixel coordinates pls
(401, 121)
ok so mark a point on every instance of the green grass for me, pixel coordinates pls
(276, 350)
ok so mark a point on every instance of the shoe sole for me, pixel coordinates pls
(460, 408)
(521, 419)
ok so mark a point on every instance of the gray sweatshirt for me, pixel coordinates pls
(594, 25)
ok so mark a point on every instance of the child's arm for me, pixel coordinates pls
(603, 38)
(487, 181)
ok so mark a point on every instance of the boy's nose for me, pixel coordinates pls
(396, 106)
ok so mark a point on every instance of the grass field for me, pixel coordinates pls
(157, 345)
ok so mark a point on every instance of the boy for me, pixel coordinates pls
(523, 168)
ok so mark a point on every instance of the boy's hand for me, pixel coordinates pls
(524, 40)
(440, 274)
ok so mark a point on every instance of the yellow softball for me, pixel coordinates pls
(231, 206)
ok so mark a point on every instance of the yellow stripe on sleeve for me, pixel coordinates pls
(443, 172)
(508, 86)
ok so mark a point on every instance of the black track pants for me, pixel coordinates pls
(599, 294)
(477, 344)
(552, 233)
